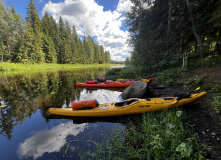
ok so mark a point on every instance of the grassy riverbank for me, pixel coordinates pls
(30, 67)
(154, 139)
(155, 135)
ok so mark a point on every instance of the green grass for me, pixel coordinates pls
(5, 66)
(158, 135)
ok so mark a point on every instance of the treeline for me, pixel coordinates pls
(117, 62)
(165, 31)
(128, 61)
(36, 40)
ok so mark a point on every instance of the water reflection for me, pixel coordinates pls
(123, 119)
(48, 141)
(102, 96)
(26, 96)
(98, 88)
(25, 93)
(119, 66)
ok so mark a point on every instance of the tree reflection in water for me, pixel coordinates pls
(25, 93)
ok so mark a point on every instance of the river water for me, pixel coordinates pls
(27, 132)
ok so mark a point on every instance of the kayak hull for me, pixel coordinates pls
(104, 85)
(130, 106)
(120, 83)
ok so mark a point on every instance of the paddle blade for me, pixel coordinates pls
(174, 101)
(197, 89)
(2, 106)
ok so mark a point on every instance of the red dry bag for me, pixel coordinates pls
(84, 104)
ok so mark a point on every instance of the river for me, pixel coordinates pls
(26, 130)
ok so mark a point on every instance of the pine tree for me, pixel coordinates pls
(86, 49)
(97, 53)
(61, 53)
(107, 57)
(68, 44)
(34, 34)
(6, 32)
(102, 56)
(48, 44)
(54, 33)
(73, 45)
(19, 51)
(84, 58)
(90, 44)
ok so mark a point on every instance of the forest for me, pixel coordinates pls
(164, 34)
(33, 40)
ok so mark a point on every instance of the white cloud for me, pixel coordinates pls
(48, 141)
(123, 5)
(90, 19)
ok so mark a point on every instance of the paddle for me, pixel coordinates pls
(2, 106)
(180, 96)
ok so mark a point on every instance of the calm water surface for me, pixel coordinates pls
(26, 131)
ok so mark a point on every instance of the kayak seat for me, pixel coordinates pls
(126, 103)
(180, 96)
(167, 98)
(88, 108)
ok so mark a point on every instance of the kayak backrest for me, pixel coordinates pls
(126, 103)
(101, 79)
(167, 98)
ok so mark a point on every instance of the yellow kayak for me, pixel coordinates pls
(130, 106)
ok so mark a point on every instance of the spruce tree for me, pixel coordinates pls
(19, 51)
(101, 56)
(90, 44)
(48, 44)
(97, 53)
(68, 44)
(34, 34)
(61, 45)
(86, 49)
(6, 32)
(54, 33)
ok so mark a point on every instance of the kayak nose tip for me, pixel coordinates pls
(48, 107)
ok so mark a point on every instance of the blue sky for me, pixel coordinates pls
(102, 19)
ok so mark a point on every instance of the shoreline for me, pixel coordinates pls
(11, 67)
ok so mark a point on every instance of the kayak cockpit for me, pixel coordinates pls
(126, 103)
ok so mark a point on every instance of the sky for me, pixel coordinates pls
(104, 20)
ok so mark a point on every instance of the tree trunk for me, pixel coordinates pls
(9, 48)
(184, 67)
(169, 17)
(2, 58)
(197, 36)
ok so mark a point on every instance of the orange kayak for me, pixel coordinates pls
(105, 85)
(120, 83)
